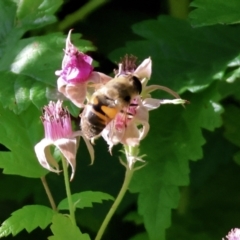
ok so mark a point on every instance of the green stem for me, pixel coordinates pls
(49, 194)
(128, 177)
(80, 14)
(68, 191)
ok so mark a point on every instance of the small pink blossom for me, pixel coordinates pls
(58, 132)
(56, 121)
(76, 66)
(77, 72)
(124, 128)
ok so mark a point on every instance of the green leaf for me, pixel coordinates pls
(237, 158)
(7, 15)
(19, 133)
(214, 12)
(29, 218)
(85, 199)
(181, 61)
(63, 229)
(231, 84)
(231, 118)
(180, 53)
(8, 36)
(20, 91)
(29, 70)
(17, 17)
(179, 139)
(38, 57)
(140, 236)
(32, 15)
(134, 217)
(27, 66)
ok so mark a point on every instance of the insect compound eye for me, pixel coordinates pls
(127, 98)
(137, 84)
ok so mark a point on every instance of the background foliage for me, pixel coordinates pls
(190, 186)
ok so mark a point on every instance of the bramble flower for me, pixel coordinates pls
(77, 72)
(234, 234)
(131, 125)
(58, 132)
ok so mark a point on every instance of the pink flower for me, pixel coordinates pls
(76, 66)
(56, 121)
(131, 125)
(76, 73)
(58, 132)
(124, 128)
(234, 234)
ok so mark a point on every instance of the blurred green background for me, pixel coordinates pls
(209, 207)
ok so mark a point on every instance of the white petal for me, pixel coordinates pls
(151, 103)
(58, 72)
(109, 135)
(45, 158)
(142, 113)
(77, 93)
(144, 131)
(88, 144)
(144, 70)
(131, 135)
(68, 148)
(98, 77)
(61, 84)
(90, 148)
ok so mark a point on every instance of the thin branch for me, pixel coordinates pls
(80, 14)
(49, 194)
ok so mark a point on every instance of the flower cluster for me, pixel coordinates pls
(58, 132)
(128, 125)
(131, 125)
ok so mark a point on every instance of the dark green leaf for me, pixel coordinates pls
(237, 158)
(20, 91)
(63, 229)
(134, 217)
(183, 57)
(85, 199)
(19, 133)
(38, 57)
(179, 139)
(29, 218)
(214, 12)
(17, 17)
(140, 236)
(32, 15)
(7, 15)
(29, 71)
(231, 118)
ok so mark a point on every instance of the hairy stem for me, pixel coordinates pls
(68, 191)
(128, 176)
(49, 194)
